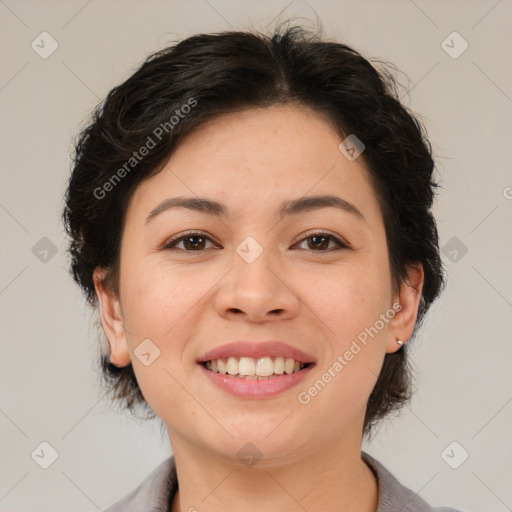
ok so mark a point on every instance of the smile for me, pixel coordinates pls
(255, 368)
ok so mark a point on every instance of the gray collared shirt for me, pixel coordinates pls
(156, 492)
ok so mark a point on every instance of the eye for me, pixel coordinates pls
(192, 241)
(195, 241)
(320, 242)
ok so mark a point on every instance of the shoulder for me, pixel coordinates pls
(153, 494)
(395, 496)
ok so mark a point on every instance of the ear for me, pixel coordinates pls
(401, 326)
(111, 320)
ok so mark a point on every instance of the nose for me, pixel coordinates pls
(257, 291)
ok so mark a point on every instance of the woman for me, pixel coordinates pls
(252, 216)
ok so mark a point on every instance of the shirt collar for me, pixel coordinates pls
(156, 492)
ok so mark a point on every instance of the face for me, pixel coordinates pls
(315, 277)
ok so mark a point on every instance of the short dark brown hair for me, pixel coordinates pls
(214, 74)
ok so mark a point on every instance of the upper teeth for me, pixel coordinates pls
(261, 367)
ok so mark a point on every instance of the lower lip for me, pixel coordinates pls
(255, 388)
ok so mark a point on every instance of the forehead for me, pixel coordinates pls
(256, 159)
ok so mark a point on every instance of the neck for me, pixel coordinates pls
(335, 479)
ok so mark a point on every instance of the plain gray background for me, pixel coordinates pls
(49, 388)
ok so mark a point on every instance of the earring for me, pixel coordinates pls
(400, 342)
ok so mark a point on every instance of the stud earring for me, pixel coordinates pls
(400, 342)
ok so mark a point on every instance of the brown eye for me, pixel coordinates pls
(196, 242)
(319, 242)
(192, 242)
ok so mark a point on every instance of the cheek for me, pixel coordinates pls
(349, 300)
(350, 311)
(351, 304)
(162, 306)
(157, 300)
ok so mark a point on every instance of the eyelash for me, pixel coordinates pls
(173, 242)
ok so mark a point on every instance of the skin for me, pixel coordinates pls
(189, 302)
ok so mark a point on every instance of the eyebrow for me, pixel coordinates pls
(287, 208)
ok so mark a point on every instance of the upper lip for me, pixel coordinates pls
(256, 349)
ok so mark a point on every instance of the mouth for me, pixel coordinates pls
(250, 368)
(255, 369)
